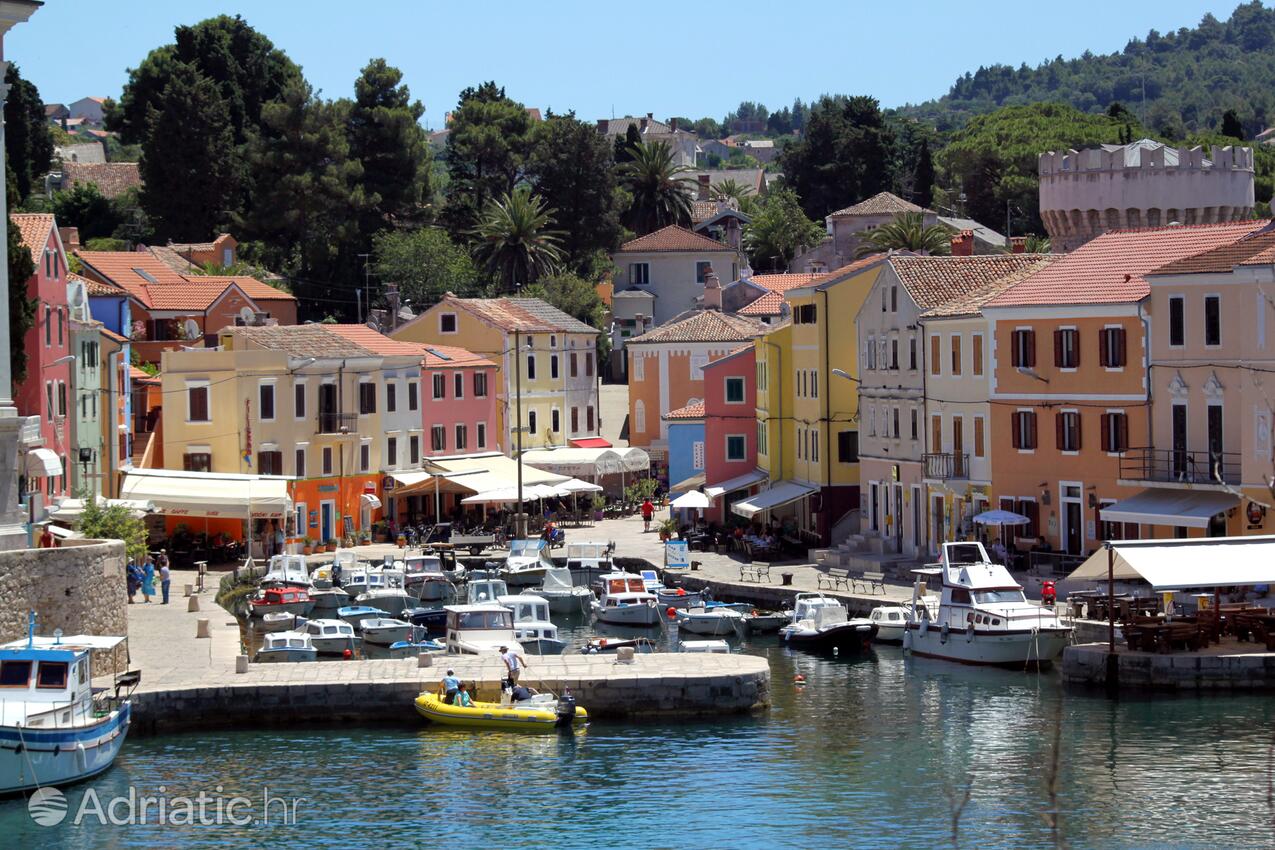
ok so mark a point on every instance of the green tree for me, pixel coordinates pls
(28, 145)
(575, 296)
(923, 177)
(85, 207)
(626, 144)
(21, 308)
(572, 169)
(778, 231)
(486, 152)
(191, 175)
(843, 156)
(661, 190)
(513, 239)
(731, 189)
(906, 232)
(1231, 125)
(114, 522)
(386, 138)
(425, 264)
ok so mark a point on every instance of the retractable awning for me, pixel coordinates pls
(1165, 506)
(371, 501)
(739, 482)
(693, 482)
(1180, 564)
(43, 462)
(210, 494)
(781, 493)
(578, 461)
(478, 474)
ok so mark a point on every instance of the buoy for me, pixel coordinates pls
(347, 654)
(754, 612)
(602, 642)
(799, 679)
(681, 591)
(672, 612)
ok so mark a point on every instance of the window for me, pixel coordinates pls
(531, 367)
(480, 435)
(15, 674)
(884, 300)
(412, 393)
(698, 362)
(588, 418)
(197, 462)
(531, 422)
(414, 449)
(1066, 348)
(701, 271)
(61, 398)
(1023, 428)
(327, 460)
(51, 674)
(437, 438)
(814, 383)
(894, 299)
(697, 454)
(391, 452)
(480, 385)
(367, 398)
(48, 326)
(734, 390)
(915, 418)
(761, 437)
(575, 420)
(298, 400)
(805, 314)
(572, 365)
(870, 353)
(588, 364)
(1111, 348)
(956, 354)
(1067, 425)
(299, 463)
(365, 457)
(555, 420)
(976, 352)
(936, 355)
(1115, 431)
(813, 452)
(912, 353)
(639, 416)
(894, 353)
(440, 385)
(871, 419)
(196, 403)
(896, 423)
(270, 463)
(1212, 321)
(391, 396)
(979, 447)
(639, 367)
(936, 433)
(61, 325)
(447, 323)
(736, 446)
(1177, 320)
(848, 447)
(639, 274)
(459, 385)
(553, 367)
(462, 438)
(1024, 349)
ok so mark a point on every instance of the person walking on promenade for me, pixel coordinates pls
(165, 577)
(648, 512)
(148, 579)
(134, 575)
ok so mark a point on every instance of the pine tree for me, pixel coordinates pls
(389, 143)
(28, 145)
(486, 152)
(625, 145)
(1231, 125)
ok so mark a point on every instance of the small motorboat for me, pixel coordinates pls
(710, 621)
(432, 620)
(415, 645)
(599, 645)
(479, 591)
(281, 600)
(716, 647)
(527, 562)
(625, 601)
(384, 631)
(822, 623)
(287, 571)
(361, 581)
(277, 621)
(765, 622)
(328, 600)
(426, 580)
(355, 614)
(332, 637)
(892, 619)
(480, 629)
(671, 597)
(562, 594)
(286, 647)
(542, 712)
(532, 627)
(393, 600)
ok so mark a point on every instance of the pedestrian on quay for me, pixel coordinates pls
(165, 577)
(278, 538)
(514, 664)
(134, 575)
(148, 579)
(648, 512)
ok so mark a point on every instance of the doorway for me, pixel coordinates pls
(917, 525)
(1179, 441)
(936, 518)
(898, 518)
(327, 520)
(874, 490)
(1073, 515)
(958, 448)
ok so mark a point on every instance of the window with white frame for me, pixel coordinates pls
(462, 438)
(736, 446)
(437, 438)
(440, 385)
(698, 362)
(298, 463)
(327, 460)
(365, 455)
(734, 390)
(480, 435)
(459, 385)
(639, 416)
(639, 367)
(480, 385)
(762, 441)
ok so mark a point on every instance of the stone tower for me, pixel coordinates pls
(1143, 184)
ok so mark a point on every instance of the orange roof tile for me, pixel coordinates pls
(125, 267)
(694, 410)
(932, 281)
(375, 341)
(528, 315)
(704, 326)
(34, 229)
(453, 355)
(253, 288)
(112, 178)
(672, 238)
(776, 284)
(1109, 269)
(882, 203)
(1247, 251)
(113, 336)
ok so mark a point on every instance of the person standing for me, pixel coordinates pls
(514, 664)
(148, 579)
(648, 512)
(278, 538)
(134, 575)
(165, 577)
(450, 687)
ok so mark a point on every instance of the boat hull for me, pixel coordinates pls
(289, 655)
(1015, 649)
(566, 603)
(630, 615)
(523, 578)
(431, 591)
(329, 600)
(843, 637)
(487, 715)
(387, 636)
(767, 623)
(714, 626)
(543, 646)
(60, 756)
(334, 645)
(673, 599)
(301, 609)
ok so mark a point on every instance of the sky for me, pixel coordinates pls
(606, 58)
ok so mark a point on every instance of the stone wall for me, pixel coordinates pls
(79, 588)
(1088, 664)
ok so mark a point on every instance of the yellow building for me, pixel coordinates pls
(807, 416)
(556, 366)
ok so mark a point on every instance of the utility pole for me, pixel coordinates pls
(520, 525)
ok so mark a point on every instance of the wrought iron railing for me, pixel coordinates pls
(337, 423)
(1182, 466)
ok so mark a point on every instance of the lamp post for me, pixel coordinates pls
(520, 524)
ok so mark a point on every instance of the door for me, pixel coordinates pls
(328, 423)
(1215, 442)
(327, 520)
(898, 518)
(917, 525)
(958, 447)
(874, 495)
(1074, 519)
(1179, 441)
(936, 519)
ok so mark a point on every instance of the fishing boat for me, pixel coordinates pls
(710, 621)
(892, 618)
(821, 623)
(482, 590)
(392, 600)
(384, 631)
(426, 580)
(53, 729)
(625, 601)
(527, 562)
(765, 622)
(415, 645)
(983, 616)
(590, 559)
(562, 594)
(671, 597)
(543, 712)
(286, 647)
(287, 571)
(281, 600)
(355, 614)
(480, 629)
(602, 644)
(532, 627)
(332, 637)
(280, 622)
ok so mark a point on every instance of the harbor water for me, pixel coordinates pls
(874, 751)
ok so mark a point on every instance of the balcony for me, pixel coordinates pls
(1180, 466)
(944, 466)
(331, 422)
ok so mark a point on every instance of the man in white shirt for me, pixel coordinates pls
(514, 663)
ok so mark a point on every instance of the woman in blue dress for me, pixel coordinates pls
(148, 580)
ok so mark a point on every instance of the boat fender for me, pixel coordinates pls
(969, 633)
(799, 679)
(925, 625)
(943, 632)
(81, 755)
(907, 640)
(672, 612)
(681, 591)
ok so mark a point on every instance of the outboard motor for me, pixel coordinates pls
(566, 711)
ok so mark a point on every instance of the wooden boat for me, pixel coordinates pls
(537, 714)
(602, 644)
(286, 647)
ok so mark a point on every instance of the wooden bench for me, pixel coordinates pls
(754, 571)
(872, 581)
(834, 577)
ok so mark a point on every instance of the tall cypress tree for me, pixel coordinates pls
(21, 308)
(923, 176)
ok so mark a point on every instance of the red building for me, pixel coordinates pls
(730, 430)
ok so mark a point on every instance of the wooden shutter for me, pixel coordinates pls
(956, 354)
(978, 436)
(1075, 349)
(1075, 417)
(1059, 429)
(1058, 349)
(1122, 430)
(936, 433)
(935, 354)
(1030, 348)
(1118, 348)
(1016, 423)
(1104, 346)
(977, 351)
(1105, 419)
(1031, 430)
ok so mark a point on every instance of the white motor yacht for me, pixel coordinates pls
(393, 600)
(982, 615)
(480, 629)
(480, 590)
(285, 647)
(671, 597)
(822, 623)
(625, 601)
(562, 594)
(527, 562)
(717, 647)
(372, 578)
(892, 618)
(287, 571)
(426, 579)
(331, 637)
(532, 627)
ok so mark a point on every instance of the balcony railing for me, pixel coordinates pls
(1180, 466)
(337, 423)
(943, 466)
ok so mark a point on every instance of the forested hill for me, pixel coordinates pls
(1192, 76)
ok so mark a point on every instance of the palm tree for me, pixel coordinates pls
(907, 232)
(1038, 244)
(661, 191)
(742, 195)
(514, 241)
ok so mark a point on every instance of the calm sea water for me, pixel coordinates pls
(870, 752)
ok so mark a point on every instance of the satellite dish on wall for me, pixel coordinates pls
(246, 315)
(192, 329)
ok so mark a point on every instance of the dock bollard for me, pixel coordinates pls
(624, 655)
(201, 628)
(193, 604)
(190, 590)
(241, 664)
(424, 659)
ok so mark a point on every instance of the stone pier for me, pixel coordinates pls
(1230, 665)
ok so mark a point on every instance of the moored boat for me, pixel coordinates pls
(281, 600)
(328, 600)
(671, 597)
(603, 644)
(562, 594)
(765, 622)
(426, 580)
(532, 627)
(625, 601)
(821, 623)
(285, 647)
(332, 637)
(480, 629)
(892, 618)
(527, 562)
(277, 621)
(392, 600)
(432, 620)
(711, 621)
(355, 614)
(542, 713)
(384, 631)
(713, 647)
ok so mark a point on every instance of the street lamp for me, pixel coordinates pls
(520, 524)
(842, 373)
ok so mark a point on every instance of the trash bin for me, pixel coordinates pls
(785, 579)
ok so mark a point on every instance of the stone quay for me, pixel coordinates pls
(1228, 666)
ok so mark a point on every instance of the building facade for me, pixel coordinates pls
(685, 446)
(732, 432)
(673, 264)
(85, 458)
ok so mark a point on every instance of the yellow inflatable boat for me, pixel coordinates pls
(538, 714)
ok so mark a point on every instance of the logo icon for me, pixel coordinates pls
(47, 806)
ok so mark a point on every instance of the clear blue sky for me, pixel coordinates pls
(692, 59)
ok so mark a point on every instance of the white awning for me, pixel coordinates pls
(694, 482)
(530, 493)
(780, 493)
(1179, 564)
(371, 501)
(739, 482)
(210, 494)
(63, 533)
(1164, 506)
(636, 460)
(71, 509)
(588, 462)
(471, 475)
(43, 462)
(410, 478)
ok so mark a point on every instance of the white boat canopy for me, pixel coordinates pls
(69, 641)
(739, 482)
(1163, 506)
(1179, 564)
(210, 494)
(780, 493)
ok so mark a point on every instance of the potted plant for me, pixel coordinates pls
(307, 546)
(599, 505)
(667, 528)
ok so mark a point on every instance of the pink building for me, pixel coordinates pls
(730, 430)
(458, 389)
(46, 392)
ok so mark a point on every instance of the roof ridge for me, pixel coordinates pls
(1200, 225)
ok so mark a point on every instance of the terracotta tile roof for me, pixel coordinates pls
(113, 178)
(704, 326)
(971, 303)
(301, 340)
(694, 410)
(113, 336)
(848, 270)
(440, 356)
(776, 285)
(192, 295)
(550, 316)
(1109, 269)
(34, 229)
(195, 247)
(529, 315)
(96, 287)
(1247, 251)
(171, 258)
(882, 203)
(702, 211)
(932, 281)
(672, 238)
(122, 267)
(253, 288)
(140, 377)
(375, 341)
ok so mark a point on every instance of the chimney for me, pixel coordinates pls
(603, 125)
(704, 185)
(70, 237)
(1018, 244)
(672, 122)
(963, 244)
(712, 290)
(645, 122)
